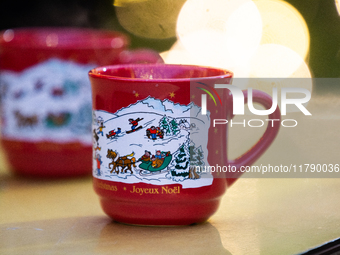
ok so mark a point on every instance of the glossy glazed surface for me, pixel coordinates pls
(115, 88)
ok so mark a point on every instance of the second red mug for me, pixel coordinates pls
(46, 95)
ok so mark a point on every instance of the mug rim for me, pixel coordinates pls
(98, 72)
(71, 38)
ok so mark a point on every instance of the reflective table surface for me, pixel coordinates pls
(276, 215)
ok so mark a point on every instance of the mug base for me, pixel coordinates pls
(159, 214)
(48, 160)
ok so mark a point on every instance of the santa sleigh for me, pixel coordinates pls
(156, 166)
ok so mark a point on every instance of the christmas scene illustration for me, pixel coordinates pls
(152, 141)
(49, 101)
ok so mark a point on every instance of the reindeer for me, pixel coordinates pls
(25, 121)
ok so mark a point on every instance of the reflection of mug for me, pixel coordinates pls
(153, 142)
(197, 239)
(46, 95)
(98, 235)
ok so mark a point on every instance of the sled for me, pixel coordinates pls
(130, 131)
(147, 168)
(108, 136)
(148, 173)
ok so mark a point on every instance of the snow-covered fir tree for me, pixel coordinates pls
(181, 163)
(196, 155)
(174, 127)
(164, 124)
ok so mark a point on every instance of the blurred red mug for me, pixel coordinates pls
(46, 95)
(154, 138)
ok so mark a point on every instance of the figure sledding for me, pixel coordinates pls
(112, 134)
(134, 125)
(154, 164)
(154, 132)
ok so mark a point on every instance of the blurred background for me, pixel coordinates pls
(72, 13)
(310, 28)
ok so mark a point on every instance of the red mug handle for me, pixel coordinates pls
(264, 142)
(139, 56)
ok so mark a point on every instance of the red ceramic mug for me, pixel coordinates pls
(152, 141)
(46, 95)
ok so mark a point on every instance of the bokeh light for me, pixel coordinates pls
(337, 6)
(178, 55)
(278, 61)
(253, 38)
(278, 66)
(284, 25)
(220, 33)
(8, 35)
(228, 33)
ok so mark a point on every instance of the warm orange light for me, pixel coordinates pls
(178, 55)
(219, 33)
(258, 39)
(284, 25)
(280, 64)
(277, 61)
(337, 6)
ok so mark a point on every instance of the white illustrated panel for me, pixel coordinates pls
(50, 101)
(152, 141)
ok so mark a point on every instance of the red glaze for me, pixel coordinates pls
(116, 87)
(21, 49)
